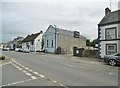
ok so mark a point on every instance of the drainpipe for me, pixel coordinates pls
(55, 38)
(45, 42)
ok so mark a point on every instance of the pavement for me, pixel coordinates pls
(39, 69)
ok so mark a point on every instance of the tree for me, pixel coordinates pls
(88, 43)
(42, 43)
(92, 43)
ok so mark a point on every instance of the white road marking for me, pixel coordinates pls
(33, 77)
(30, 70)
(17, 82)
(61, 84)
(25, 71)
(26, 68)
(55, 81)
(42, 76)
(20, 68)
(5, 63)
(28, 74)
(35, 73)
(17, 67)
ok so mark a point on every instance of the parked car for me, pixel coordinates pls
(112, 59)
(26, 50)
(5, 49)
(17, 49)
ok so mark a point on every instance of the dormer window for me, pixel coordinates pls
(110, 33)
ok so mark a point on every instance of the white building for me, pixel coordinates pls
(109, 33)
(33, 42)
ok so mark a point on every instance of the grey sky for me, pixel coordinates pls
(23, 18)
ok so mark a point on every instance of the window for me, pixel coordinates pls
(111, 49)
(47, 43)
(32, 43)
(76, 34)
(52, 43)
(110, 33)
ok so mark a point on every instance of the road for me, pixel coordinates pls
(38, 69)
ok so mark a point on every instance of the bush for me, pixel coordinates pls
(2, 57)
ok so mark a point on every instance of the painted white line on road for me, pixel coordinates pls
(20, 68)
(23, 66)
(17, 82)
(55, 81)
(33, 77)
(6, 63)
(28, 74)
(35, 73)
(17, 67)
(25, 71)
(26, 68)
(30, 70)
(42, 76)
(62, 85)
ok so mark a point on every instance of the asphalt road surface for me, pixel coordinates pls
(38, 69)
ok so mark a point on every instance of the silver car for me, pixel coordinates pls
(112, 59)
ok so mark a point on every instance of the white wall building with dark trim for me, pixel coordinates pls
(109, 33)
(33, 42)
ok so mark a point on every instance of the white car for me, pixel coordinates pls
(26, 50)
(5, 49)
(17, 49)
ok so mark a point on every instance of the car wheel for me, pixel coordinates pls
(112, 62)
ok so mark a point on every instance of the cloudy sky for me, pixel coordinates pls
(20, 18)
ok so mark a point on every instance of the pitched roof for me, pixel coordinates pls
(31, 37)
(112, 17)
(65, 32)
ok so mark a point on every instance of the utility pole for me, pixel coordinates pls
(110, 5)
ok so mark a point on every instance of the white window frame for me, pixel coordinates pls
(108, 34)
(111, 49)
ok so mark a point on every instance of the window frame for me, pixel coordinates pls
(111, 50)
(109, 29)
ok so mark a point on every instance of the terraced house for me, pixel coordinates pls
(57, 40)
(109, 33)
(33, 42)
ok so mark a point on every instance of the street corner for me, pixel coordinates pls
(6, 61)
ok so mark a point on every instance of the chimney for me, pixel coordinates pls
(107, 11)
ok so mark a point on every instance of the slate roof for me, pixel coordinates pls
(113, 17)
(31, 37)
(65, 31)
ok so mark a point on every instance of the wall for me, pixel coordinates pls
(68, 42)
(103, 43)
(50, 35)
(37, 42)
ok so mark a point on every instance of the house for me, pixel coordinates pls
(109, 33)
(15, 43)
(33, 42)
(57, 40)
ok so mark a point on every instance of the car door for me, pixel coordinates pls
(118, 56)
